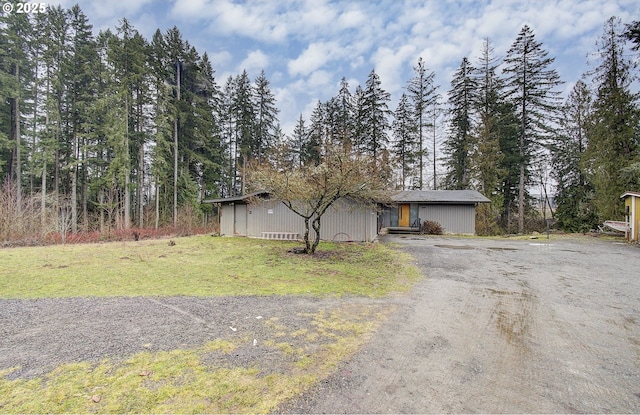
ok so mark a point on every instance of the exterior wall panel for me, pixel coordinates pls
(240, 216)
(226, 219)
(344, 221)
(271, 216)
(459, 219)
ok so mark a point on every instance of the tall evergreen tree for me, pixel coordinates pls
(228, 136)
(209, 116)
(422, 95)
(376, 118)
(313, 148)
(457, 146)
(16, 85)
(359, 121)
(531, 87)
(405, 147)
(493, 128)
(81, 95)
(632, 33)
(162, 136)
(244, 115)
(297, 142)
(343, 128)
(613, 144)
(574, 193)
(266, 115)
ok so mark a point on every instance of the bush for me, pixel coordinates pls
(431, 228)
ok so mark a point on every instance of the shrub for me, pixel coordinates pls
(430, 227)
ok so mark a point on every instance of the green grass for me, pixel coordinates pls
(204, 379)
(186, 381)
(201, 266)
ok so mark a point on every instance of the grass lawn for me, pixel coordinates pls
(186, 380)
(201, 266)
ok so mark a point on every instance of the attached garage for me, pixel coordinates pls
(454, 210)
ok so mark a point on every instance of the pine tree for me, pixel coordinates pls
(244, 114)
(422, 95)
(487, 157)
(266, 115)
(405, 146)
(360, 121)
(632, 33)
(297, 142)
(574, 193)
(228, 136)
(457, 146)
(55, 40)
(343, 109)
(81, 94)
(531, 84)
(130, 86)
(162, 136)
(376, 118)
(15, 78)
(313, 148)
(613, 143)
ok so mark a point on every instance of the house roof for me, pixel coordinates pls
(452, 197)
(456, 197)
(636, 194)
(240, 198)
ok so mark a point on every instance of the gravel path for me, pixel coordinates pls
(39, 335)
(501, 326)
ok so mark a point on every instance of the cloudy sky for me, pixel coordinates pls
(306, 47)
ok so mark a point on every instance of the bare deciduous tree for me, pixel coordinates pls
(310, 190)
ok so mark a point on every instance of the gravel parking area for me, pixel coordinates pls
(502, 326)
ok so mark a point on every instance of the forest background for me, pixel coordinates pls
(111, 133)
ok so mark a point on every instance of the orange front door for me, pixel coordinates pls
(403, 215)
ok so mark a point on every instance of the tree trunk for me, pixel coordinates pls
(307, 244)
(141, 187)
(74, 183)
(18, 157)
(175, 150)
(43, 195)
(316, 228)
(157, 205)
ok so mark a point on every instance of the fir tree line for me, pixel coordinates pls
(113, 131)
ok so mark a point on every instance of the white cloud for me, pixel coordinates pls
(389, 65)
(353, 18)
(254, 62)
(220, 59)
(314, 57)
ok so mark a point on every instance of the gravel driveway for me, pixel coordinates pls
(497, 326)
(502, 326)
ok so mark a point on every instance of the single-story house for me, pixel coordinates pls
(257, 215)
(454, 210)
(271, 219)
(632, 214)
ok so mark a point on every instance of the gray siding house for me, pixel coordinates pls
(271, 219)
(349, 221)
(454, 210)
